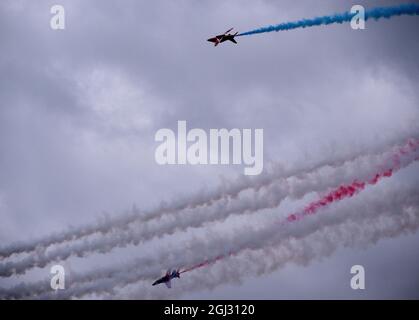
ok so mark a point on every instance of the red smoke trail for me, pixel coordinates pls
(339, 193)
(206, 262)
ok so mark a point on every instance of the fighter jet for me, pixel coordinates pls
(223, 37)
(167, 278)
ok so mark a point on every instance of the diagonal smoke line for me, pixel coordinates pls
(319, 245)
(363, 168)
(209, 243)
(230, 190)
(375, 13)
(337, 194)
(361, 215)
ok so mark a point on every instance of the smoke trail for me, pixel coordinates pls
(376, 13)
(338, 194)
(294, 188)
(227, 191)
(320, 244)
(211, 243)
(404, 207)
(363, 220)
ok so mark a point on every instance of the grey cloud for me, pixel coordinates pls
(316, 92)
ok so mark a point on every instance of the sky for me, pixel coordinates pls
(79, 109)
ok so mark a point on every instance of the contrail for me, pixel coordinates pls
(227, 191)
(375, 13)
(363, 167)
(366, 216)
(107, 225)
(361, 221)
(362, 232)
(338, 194)
(252, 239)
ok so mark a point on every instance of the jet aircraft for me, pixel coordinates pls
(224, 37)
(166, 279)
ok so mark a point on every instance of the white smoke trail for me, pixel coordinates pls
(318, 245)
(225, 191)
(207, 244)
(363, 168)
(353, 225)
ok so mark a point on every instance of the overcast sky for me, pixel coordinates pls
(79, 109)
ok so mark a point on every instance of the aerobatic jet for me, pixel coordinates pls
(224, 37)
(167, 278)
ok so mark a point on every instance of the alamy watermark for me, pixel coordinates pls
(358, 20)
(219, 146)
(358, 280)
(58, 277)
(57, 21)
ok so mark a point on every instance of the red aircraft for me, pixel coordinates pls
(223, 37)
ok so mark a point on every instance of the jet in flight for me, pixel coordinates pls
(167, 278)
(223, 37)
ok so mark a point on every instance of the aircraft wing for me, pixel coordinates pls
(228, 30)
(157, 282)
(168, 284)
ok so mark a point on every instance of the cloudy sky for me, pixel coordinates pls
(79, 109)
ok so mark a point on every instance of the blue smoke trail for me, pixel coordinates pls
(376, 13)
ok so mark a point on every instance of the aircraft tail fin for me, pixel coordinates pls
(234, 40)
